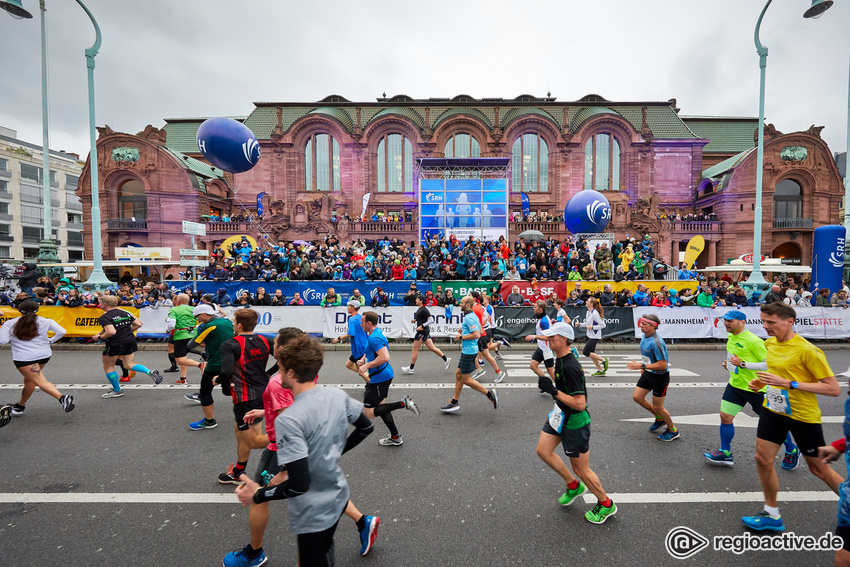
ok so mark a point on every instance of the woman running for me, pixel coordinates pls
(422, 321)
(31, 352)
(594, 323)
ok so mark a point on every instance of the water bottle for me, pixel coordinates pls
(267, 477)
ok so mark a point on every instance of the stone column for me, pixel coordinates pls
(712, 253)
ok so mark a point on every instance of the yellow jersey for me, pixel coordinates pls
(798, 360)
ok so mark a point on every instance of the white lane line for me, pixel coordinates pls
(396, 385)
(700, 497)
(230, 498)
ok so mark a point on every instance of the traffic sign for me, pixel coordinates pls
(195, 228)
(190, 252)
(195, 263)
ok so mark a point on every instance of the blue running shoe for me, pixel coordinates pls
(720, 458)
(656, 425)
(203, 424)
(764, 521)
(669, 435)
(369, 534)
(791, 460)
(240, 559)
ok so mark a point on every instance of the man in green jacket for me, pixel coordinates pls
(705, 299)
(332, 299)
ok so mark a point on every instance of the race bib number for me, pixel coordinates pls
(547, 354)
(645, 359)
(556, 419)
(729, 366)
(777, 400)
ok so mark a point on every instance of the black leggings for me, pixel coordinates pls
(207, 388)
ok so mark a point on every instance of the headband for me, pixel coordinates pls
(650, 321)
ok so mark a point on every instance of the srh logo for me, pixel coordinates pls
(682, 542)
(595, 207)
(434, 198)
(250, 148)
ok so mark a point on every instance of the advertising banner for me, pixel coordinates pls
(462, 288)
(463, 207)
(563, 289)
(390, 321)
(828, 258)
(312, 292)
(678, 322)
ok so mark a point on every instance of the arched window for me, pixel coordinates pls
(462, 146)
(395, 164)
(788, 200)
(321, 163)
(132, 201)
(530, 164)
(602, 163)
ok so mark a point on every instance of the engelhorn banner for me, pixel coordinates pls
(828, 257)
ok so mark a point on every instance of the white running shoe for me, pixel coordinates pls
(500, 376)
(390, 442)
(448, 362)
(407, 370)
(112, 394)
(410, 405)
(478, 374)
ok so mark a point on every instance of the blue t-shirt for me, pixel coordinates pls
(359, 338)
(384, 372)
(470, 324)
(653, 349)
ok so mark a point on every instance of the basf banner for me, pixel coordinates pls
(463, 207)
(828, 258)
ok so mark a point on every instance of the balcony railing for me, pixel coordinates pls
(697, 226)
(382, 227)
(218, 226)
(126, 224)
(792, 223)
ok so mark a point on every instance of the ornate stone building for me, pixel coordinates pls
(318, 160)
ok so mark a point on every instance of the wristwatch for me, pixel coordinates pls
(743, 365)
(643, 366)
(793, 385)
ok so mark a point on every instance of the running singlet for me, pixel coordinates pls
(569, 378)
(245, 358)
(749, 348)
(542, 324)
(184, 326)
(213, 334)
(470, 325)
(799, 360)
(486, 320)
(562, 316)
(359, 338)
(275, 399)
(492, 315)
(384, 372)
(653, 349)
(122, 321)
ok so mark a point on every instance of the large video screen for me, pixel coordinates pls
(463, 207)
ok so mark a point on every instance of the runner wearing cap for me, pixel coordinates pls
(211, 333)
(745, 353)
(569, 425)
(654, 377)
(422, 320)
(359, 339)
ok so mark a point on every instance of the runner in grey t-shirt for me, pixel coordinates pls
(311, 436)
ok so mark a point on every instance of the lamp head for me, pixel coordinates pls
(817, 9)
(15, 9)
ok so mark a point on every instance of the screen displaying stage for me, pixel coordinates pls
(463, 207)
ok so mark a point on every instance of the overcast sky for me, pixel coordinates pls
(198, 58)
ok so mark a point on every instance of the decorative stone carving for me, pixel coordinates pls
(156, 135)
(794, 153)
(104, 131)
(645, 130)
(814, 130)
(770, 131)
(644, 217)
(125, 154)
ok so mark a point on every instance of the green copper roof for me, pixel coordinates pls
(203, 169)
(515, 113)
(731, 135)
(474, 112)
(408, 113)
(183, 136)
(726, 165)
(264, 118)
(587, 113)
(337, 114)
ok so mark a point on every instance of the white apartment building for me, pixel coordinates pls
(21, 200)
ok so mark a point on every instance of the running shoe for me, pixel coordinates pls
(498, 356)
(124, 379)
(18, 409)
(669, 435)
(5, 415)
(506, 343)
(478, 374)
(196, 397)
(112, 394)
(389, 441)
(494, 398)
(448, 362)
(203, 424)
(407, 370)
(481, 361)
(67, 403)
(450, 407)
(605, 364)
(656, 425)
(172, 369)
(157, 377)
(231, 476)
(720, 458)
(571, 494)
(410, 405)
(181, 381)
(791, 460)
(501, 375)
(600, 513)
(599, 373)
(764, 521)
(240, 558)
(203, 366)
(369, 533)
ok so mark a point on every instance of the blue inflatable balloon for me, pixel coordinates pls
(587, 212)
(828, 257)
(228, 144)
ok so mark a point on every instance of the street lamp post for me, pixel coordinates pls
(47, 251)
(756, 280)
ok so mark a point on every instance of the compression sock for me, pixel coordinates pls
(361, 523)
(727, 432)
(113, 379)
(385, 409)
(140, 368)
(573, 484)
(172, 360)
(390, 423)
(789, 444)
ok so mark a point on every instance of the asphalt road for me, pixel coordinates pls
(125, 482)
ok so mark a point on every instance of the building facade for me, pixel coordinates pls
(22, 202)
(319, 159)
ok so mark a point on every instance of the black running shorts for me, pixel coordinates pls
(656, 382)
(268, 463)
(774, 427)
(574, 441)
(22, 363)
(422, 335)
(539, 357)
(317, 549)
(590, 346)
(376, 393)
(120, 350)
(466, 364)
(240, 409)
(181, 347)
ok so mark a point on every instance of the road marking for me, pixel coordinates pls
(701, 497)
(741, 420)
(396, 385)
(230, 499)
